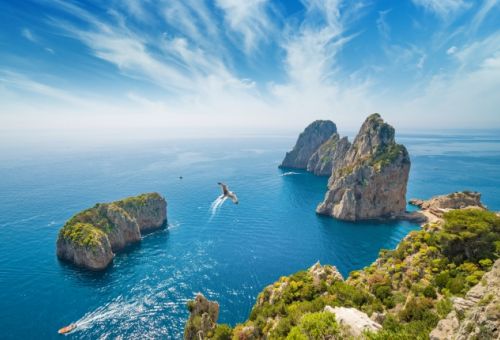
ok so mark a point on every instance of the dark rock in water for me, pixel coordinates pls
(308, 143)
(90, 238)
(202, 319)
(369, 181)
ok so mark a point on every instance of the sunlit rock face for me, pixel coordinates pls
(369, 180)
(308, 143)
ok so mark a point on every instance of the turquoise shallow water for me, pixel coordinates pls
(229, 256)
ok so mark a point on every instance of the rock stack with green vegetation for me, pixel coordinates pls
(202, 322)
(436, 273)
(318, 133)
(90, 238)
(369, 181)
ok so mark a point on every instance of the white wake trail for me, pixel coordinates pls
(215, 206)
(290, 173)
(111, 311)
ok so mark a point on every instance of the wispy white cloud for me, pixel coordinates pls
(443, 8)
(249, 19)
(383, 27)
(173, 63)
(482, 13)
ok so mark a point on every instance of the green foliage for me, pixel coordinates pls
(430, 292)
(456, 285)
(470, 235)
(82, 234)
(320, 325)
(222, 332)
(443, 307)
(387, 155)
(417, 308)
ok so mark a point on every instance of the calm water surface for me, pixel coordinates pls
(229, 256)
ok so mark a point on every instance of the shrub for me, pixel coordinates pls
(470, 234)
(443, 307)
(222, 332)
(430, 292)
(456, 285)
(441, 279)
(320, 325)
(417, 308)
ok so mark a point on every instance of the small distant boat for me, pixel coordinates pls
(67, 329)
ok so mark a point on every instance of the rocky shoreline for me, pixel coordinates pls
(410, 292)
(90, 238)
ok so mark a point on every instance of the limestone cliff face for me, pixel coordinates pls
(477, 316)
(370, 180)
(308, 143)
(328, 154)
(92, 256)
(90, 238)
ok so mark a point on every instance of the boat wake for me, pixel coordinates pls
(117, 309)
(215, 206)
(290, 173)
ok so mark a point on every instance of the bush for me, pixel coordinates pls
(441, 279)
(320, 325)
(430, 292)
(443, 307)
(223, 332)
(417, 308)
(470, 234)
(456, 285)
(383, 292)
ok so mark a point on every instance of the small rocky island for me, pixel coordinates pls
(90, 238)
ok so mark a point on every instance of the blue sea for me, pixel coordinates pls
(229, 254)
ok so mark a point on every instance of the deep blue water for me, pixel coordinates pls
(230, 256)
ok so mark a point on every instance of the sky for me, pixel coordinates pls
(247, 66)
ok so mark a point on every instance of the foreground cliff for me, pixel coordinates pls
(432, 274)
(90, 238)
(369, 181)
(308, 143)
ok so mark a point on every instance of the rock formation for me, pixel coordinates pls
(202, 319)
(370, 181)
(477, 316)
(308, 143)
(90, 238)
(456, 200)
(328, 274)
(433, 209)
(356, 321)
(328, 154)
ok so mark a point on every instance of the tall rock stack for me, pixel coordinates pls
(369, 180)
(308, 143)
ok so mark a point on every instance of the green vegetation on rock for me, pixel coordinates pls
(82, 234)
(137, 201)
